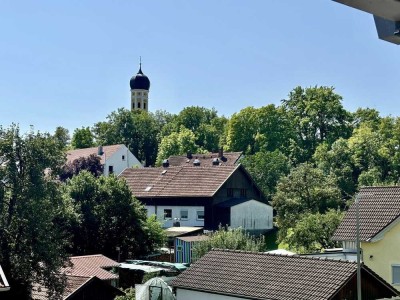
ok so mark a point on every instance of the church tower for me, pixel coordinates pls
(140, 86)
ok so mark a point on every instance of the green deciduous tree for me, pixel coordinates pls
(313, 232)
(266, 168)
(305, 190)
(137, 130)
(177, 143)
(255, 129)
(33, 213)
(233, 239)
(110, 217)
(61, 134)
(317, 115)
(82, 138)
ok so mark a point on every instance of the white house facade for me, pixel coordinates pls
(114, 158)
(187, 216)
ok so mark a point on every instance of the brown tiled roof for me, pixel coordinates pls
(228, 158)
(39, 292)
(177, 181)
(77, 153)
(255, 275)
(91, 265)
(378, 208)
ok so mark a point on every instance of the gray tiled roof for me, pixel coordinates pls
(228, 158)
(378, 208)
(254, 275)
(177, 181)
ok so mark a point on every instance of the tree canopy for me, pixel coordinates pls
(33, 212)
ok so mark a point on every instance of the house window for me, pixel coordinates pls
(395, 274)
(138, 93)
(243, 192)
(184, 214)
(133, 105)
(144, 105)
(179, 248)
(200, 215)
(167, 214)
(110, 169)
(229, 192)
(138, 105)
(123, 157)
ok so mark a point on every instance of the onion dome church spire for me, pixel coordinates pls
(140, 86)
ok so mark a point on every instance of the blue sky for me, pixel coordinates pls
(68, 63)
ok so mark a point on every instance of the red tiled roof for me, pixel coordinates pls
(378, 208)
(228, 158)
(91, 265)
(256, 275)
(77, 153)
(177, 181)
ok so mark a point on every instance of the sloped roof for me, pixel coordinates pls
(228, 158)
(177, 181)
(91, 265)
(255, 275)
(73, 283)
(378, 208)
(77, 153)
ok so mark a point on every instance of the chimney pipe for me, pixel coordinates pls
(189, 155)
(221, 152)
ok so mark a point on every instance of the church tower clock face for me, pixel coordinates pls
(140, 86)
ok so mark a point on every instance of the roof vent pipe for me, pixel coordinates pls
(189, 155)
(100, 150)
(215, 162)
(165, 163)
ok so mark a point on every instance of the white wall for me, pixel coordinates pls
(118, 164)
(191, 221)
(182, 294)
(252, 214)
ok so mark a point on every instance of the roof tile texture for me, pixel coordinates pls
(228, 158)
(378, 208)
(91, 265)
(180, 181)
(266, 276)
(77, 153)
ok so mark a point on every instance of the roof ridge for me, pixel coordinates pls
(89, 255)
(284, 255)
